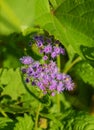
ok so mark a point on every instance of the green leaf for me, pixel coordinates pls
(4, 121)
(55, 3)
(85, 71)
(76, 18)
(13, 84)
(24, 123)
(78, 121)
(73, 23)
(16, 16)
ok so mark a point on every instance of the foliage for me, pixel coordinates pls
(72, 23)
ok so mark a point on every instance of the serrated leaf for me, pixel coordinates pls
(85, 122)
(14, 86)
(78, 121)
(4, 121)
(24, 123)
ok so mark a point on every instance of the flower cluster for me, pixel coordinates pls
(46, 76)
(48, 47)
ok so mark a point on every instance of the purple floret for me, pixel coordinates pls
(60, 87)
(62, 51)
(39, 43)
(57, 50)
(26, 60)
(48, 49)
(53, 55)
(45, 57)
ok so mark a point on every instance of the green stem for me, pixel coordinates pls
(3, 113)
(37, 116)
(37, 113)
(72, 64)
(58, 96)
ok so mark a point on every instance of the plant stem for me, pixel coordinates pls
(72, 64)
(3, 113)
(37, 114)
(37, 117)
(58, 96)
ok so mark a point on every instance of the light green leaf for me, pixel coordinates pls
(24, 123)
(73, 23)
(12, 80)
(76, 18)
(4, 121)
(79, 121)
(16, 16)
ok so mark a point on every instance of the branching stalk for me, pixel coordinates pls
(72, 64)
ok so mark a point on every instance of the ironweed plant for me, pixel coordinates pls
(46, 64)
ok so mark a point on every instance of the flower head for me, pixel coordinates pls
(26, 60)
(46, 75)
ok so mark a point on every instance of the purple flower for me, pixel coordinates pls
(39, 43)
(57, 50)
(39, 40)
(27, 80)
(62, 51)
(60, 87)
(53, 94)
(33, 83)
(23, 70)
(59, 76)
(41, 50)
(36, 75)
(68, 83)
(53, 54)
(30, 71)
(48, 49)
(53, 75)
(46, 76)
(26, 60)
(36, 64)
(53, 85)
(41, 86)
(45, 57)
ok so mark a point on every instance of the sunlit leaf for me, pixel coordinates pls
(24, 123)
(16, 16)
(4, 121)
